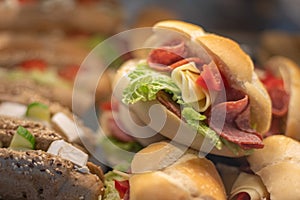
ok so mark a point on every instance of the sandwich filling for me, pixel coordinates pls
(280, 102)
(190, 84)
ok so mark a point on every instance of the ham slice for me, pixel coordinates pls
(160, 59)
(280, 102)
(237, 123)
(210, 78)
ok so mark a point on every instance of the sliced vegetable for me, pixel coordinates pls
(145, 83)
(122, 187)
(22, 140)
(34, 64)
(110, 192)
(69, 73)
(195, 120)
(38, 111)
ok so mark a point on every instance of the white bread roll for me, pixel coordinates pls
(229, 57)
(190, 177)
(235, 64)
(289, 71)
(278, 165)
(250, 184)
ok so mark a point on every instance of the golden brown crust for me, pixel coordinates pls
(278, 165)
(190, 177)
(290, 72)
(237, 66)
(188, 30)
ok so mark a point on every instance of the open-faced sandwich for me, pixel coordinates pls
(36, 163)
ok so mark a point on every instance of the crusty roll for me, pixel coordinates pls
(72, 16)
(278, 166)
(222, 53)
(189, 177)
(250, 185)
(230, 58)
(289, 71)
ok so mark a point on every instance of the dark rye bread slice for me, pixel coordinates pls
(40, 175)
(43, 135)
(26, 92)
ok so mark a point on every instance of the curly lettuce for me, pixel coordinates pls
(145, 83)
(110, 192)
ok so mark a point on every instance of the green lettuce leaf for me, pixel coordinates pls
(110, 192)
(195, 120)
(127, 146)
(145, 83)
(236, 149)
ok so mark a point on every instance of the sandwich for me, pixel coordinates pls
(52, 61)
(36, 163)
(24, 100)
(164, 171)
(275, 171)
(75, 16)
(200, 87)
(281, 77)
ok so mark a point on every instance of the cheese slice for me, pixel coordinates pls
(68, 152)
(66, 126)
(13, 109)
(185, 78)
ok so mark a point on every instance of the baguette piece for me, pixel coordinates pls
(185, 178)
(232, 62)
(278, 165)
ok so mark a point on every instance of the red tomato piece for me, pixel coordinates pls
(34, 64)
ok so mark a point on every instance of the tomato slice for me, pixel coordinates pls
(122, 187)
(270, 81)
(34, 64)
(69, 73)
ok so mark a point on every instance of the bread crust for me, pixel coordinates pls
(190, 177)
(290, 72)
(278, 165)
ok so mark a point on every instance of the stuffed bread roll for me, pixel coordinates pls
(278, 166)
(163, 171)
(75, 16)
(248, 187)
(35, 163)
(186, 76)
(282, 79)
(52, 61)
(26, 100)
